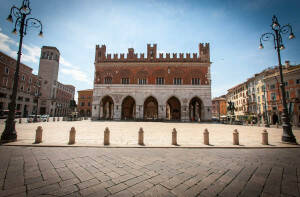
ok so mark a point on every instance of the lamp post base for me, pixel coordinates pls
(289, 140)
(9, 134)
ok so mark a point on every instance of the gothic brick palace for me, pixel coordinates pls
(155, 87)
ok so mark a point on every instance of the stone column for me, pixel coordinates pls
(100, 111)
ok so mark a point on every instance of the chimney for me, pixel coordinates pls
(287, 64)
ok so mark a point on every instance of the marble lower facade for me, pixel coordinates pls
(152, 102)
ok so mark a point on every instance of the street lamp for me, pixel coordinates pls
(9, 134)
(287, 136)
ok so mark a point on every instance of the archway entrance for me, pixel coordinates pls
(173, 109)
(107, 108)
(150, 108)
(128, 108)
(195, 108)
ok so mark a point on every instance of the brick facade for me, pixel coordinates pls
(28, 86)
(155, 86)
(84, 104)
(291, 76)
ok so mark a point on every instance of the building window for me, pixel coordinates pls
(27, 99)
(273, 96)
(6, 70)
(5, 82)
(89, 104)
(82, 104)
(28, 89)
(125, 80)
(22, 87)
(30, 80)
(272, 86)
(195, 81)
(142, 81)
(297, 81)
(287, 93)
(286, 83)
(108, 80)
(160, 80)
(177, 81)
(23, 77)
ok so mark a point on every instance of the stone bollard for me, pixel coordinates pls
(246, 123)
(72, 136)
(174, 137)
(206, 137)
(53, 119)
(265, 137)
(277, 125)
(106, 136)
(251, 123)
(258, 124)
(141, 136)
(20, 120)
(235, 137)
(57, 118)
(38, 135)
(48, 119)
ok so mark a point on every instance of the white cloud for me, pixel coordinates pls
(5, 45)
(65, 63)
(76, 74)
(31, 53)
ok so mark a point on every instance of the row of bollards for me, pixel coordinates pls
(106, 141)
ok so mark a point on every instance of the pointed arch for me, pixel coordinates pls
(107, 108)
(151, 108)
(173, 109)
(128, 108)
(195, 109)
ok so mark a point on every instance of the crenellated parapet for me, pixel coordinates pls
(152, 56)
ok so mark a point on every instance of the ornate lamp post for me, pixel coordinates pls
(287, 136)
(21, 23)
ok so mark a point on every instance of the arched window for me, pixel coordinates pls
(107, 80)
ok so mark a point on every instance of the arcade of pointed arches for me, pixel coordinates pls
(150, 108)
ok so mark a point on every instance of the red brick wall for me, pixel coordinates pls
(134, 72)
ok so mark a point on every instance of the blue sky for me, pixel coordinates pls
(232, 27)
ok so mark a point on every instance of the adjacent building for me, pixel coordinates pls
(84, 104)
(152, 87)
(54, 96)
(219, 107)
(274, 98)
(238, 95)
(260, 98)
(28, 86)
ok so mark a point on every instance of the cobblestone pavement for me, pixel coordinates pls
(155, 134)
(80, 171)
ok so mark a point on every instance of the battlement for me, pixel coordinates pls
(152, 56)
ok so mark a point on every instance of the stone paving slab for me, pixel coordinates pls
(162, 172)
(156, 134)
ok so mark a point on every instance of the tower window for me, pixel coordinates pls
(6, 70)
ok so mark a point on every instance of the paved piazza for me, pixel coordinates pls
(89, 171)
(156, 134)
